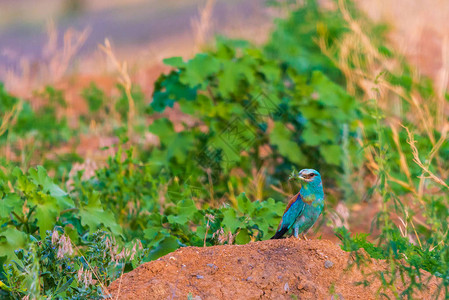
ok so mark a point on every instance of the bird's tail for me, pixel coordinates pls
(279, 233)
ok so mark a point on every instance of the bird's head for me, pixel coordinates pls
(307, 176)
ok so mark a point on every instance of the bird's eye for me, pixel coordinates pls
(312, 175)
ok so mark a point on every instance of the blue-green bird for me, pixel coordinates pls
(305, 207)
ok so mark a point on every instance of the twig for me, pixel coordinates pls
(120, 282)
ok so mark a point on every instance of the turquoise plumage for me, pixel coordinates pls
(305, 207)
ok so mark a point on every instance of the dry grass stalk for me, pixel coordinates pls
(402, 160)
(258, 182)
(10, 117)
(425, 167)
(231, 195)
(361, 63)
(33, 75)
(210, 218)
(202, 26)
(442, 82)
(280, 190)
(59, 61)
(124, 79)
(223, 236)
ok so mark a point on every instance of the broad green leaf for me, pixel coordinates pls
(11, 239)
(23, 184)
(234, 72)
(230, 220)
(168, 89)
(93, 215)
(332, 154)
(175, 61)
(186, 210)
(163, 128)
(316, 135)
(332, 94)
(154, 227)
(10, 203)
(242, 237)
(46, 214)
(281, 137)
(176, 145)
(201, 106)
(167, 245)
(244, 204)
(198, 69)
(41, 177)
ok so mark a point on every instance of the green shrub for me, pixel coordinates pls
(54, 267)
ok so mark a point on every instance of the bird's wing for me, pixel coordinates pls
(294, 209)
(293, 200)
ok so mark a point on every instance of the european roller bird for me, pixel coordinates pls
(305, 207)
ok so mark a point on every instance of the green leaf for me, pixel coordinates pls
(186, 211)
(202, 105)
(94, 97)
(244, 204)
(242, 237)
(230, 220)
(332, 94)
(281, 137)
(41, 178)
(167, 245)
(176, 144)
(154, 228)
(10, 203)
(168, 90)
(198, 69)
(163, 128)
(234, 72)
(11, 239)
(175, 61)
(64, 286)
(23, 184)
(332, 154)
(46, 214)
(92, 215)
(316, 135)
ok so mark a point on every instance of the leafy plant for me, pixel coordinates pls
(186, 225)
(31, 204)
(249, 101)
(54, 267)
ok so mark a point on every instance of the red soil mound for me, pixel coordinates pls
(275, 269)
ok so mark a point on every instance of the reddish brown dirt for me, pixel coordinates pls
(274, 269)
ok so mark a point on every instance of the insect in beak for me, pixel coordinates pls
(292, 176)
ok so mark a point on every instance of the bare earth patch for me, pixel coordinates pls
(274, 269)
